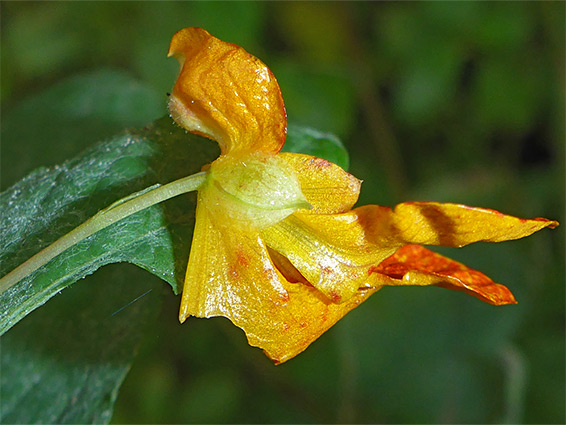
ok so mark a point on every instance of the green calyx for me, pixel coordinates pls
(254, 191)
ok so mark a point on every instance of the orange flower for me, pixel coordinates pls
(277, 247)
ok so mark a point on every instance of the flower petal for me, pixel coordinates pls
(306, 317)
(433, 223)
(327, 187)
(226, 94)
(415, 265)
(336, 253)
(231, 274)
(332, 252)
(227, 270)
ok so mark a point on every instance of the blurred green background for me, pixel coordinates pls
(460, 102)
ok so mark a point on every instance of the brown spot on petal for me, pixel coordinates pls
(284, 297)
(324, 317)
(320, 163)
(269, 274)
(242, 259)
(328, 272)
(335, 297)
(233, 271)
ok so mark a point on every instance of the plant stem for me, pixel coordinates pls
(104, 218)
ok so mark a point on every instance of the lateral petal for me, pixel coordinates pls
(336, 253)
(306, 317)
(226, 94)
(416, 265)
(332, 252)
(228, 270)
(231, 274)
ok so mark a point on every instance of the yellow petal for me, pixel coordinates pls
(306, 317)
(231, 274)
(332, 252)
(226, 94)
(327, 187)
(335, 253)
(228, 269)
(433, 223)
(415, 265)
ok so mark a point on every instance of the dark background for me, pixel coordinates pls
(460, 102)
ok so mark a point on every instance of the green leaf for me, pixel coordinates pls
(77, 349)
(67, 117)
(50, 202)
(324, 145)
(65, 362)
(61, 121)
